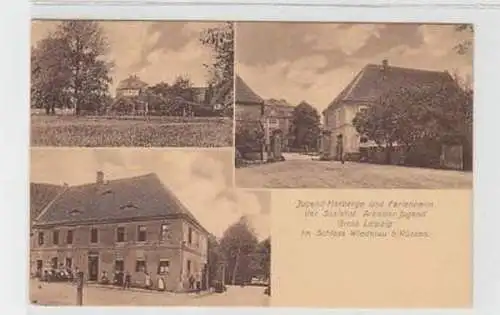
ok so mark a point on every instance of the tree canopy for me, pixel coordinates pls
(221, 40)
(243, 254)
(407, 116)
(69, 68)
(305, 127)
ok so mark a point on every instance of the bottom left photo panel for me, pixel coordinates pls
(143, 227)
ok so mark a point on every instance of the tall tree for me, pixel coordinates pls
(238, 244)
(49, 75)
(305, 126)
(221, 40)
(72, 59)
(215, 258)
(86, 48)
(464, 46)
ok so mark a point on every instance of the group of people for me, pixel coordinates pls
(61, 273)
(124, 280)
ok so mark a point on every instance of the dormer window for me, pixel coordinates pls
(74, 212)
(129, 205)
(107, 191)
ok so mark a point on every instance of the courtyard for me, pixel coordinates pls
(299, 171)
(60, 294)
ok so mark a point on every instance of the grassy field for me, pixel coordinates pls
(131, 131)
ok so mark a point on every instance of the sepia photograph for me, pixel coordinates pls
(131, 83)
(353, 105)
(139, 227)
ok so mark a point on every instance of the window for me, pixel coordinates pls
(190, 235)
(40, 238)
(55, 237)
(69, 263)
(165, 232)
(188, 266)
(140, 266)
(119, 265)
(141, 233)
(120, 234)
(163, 267)
(54, 263)
(93, 235)
(69, 237)
(196, 239)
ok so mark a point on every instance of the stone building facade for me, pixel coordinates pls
(134, 225)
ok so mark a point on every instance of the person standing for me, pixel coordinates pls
(148, 282)
(126, 282)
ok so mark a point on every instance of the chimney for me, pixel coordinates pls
(100, 177)
(385, 63)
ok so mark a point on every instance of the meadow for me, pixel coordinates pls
(131, 131)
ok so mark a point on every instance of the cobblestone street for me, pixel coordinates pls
(308, 173)
(65, 294)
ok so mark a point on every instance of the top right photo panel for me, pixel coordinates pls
(351, 105)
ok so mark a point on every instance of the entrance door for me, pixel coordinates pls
(93, 268)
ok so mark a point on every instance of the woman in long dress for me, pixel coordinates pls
(161, 284)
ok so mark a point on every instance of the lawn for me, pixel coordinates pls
(131, 131)
(307, 173)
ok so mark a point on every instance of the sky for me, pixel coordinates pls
(154, 50)
(201, 179)
(315, 61)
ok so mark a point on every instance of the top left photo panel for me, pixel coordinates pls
(131, 83)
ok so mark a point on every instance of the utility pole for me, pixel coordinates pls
(79, 288)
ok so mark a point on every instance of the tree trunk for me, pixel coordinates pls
(236, 265)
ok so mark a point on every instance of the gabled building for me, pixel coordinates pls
(130, 98)
(366, 88)
(272, 116)
(130, 87)
(133, 225)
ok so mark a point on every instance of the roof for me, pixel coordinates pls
(279, 108)
(374, 81)
(40, 196)
(244, 94)
(131, 83)
(141, 197)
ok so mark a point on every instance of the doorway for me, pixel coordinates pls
(93, 267)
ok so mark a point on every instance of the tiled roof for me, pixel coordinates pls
(244, 94)
(374, 81)
(131, 83)
(140, 197)
(40, 196)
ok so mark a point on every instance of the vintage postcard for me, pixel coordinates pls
(136, 227)
(331, 105)
(131, 83)
(369, 126)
